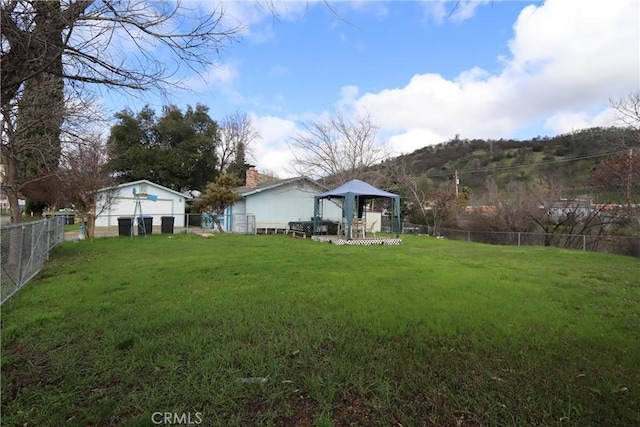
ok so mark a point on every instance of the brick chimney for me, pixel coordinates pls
(251, 177)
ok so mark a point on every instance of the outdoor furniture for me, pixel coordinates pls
(358, 227)
(354, 196)
(370, 227)
(306, 227)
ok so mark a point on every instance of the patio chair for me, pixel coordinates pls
(371, 228)
(358, 228)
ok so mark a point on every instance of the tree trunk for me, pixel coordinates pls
(91, 226)
(218, 224)
(11, 187)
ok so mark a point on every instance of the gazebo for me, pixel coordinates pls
(355, 194)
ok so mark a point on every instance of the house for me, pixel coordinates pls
(268, 207)
(564, 209)
(4, 203)
(155, 200)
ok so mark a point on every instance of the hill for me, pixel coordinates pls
(568, 158)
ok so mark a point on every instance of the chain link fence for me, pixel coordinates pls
(620, 245)
(25, 248)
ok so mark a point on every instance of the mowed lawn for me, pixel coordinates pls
(268, 330)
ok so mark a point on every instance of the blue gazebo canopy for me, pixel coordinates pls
(355, 193)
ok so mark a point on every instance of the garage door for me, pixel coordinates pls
(126, 208)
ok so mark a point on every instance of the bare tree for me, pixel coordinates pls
(628, 109)
(115, 43)
(337, 148)
(395, 177)
(541, 206)
(619, 176)
(443, 206)
(236, 137)
(50, 45)
(513, 206)
(83, 173)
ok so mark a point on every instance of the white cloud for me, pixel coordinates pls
(412, 140)
(272, 150)
(221, 74)
(566, 122)
(567, 60)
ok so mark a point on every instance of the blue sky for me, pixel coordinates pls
(424, 70)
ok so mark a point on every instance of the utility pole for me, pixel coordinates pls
(629, 175)
(457, 183)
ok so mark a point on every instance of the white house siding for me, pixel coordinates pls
(169, 203)
(236, 217)
(275, 207)
(331, 210)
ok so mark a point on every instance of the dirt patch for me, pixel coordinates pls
(352, 410)
(304, 411)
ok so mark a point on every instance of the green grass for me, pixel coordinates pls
(433, 332)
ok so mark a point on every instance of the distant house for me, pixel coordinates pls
(155, 201)
(4, 202)
(570, 208)
(270, 206)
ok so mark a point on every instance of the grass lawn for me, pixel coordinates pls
(268, 330)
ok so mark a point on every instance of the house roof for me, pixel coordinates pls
(145, 181)
(244, 191)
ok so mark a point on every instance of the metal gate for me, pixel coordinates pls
(244, 223)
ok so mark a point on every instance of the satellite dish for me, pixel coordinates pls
(152, 197)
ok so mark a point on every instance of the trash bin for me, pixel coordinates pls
(71, 219)
(124, 226)
(167, 225)
(145, 226)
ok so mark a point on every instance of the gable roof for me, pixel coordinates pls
(145, 181)
(244, 191)
(357, 188)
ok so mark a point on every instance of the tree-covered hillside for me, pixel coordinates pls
(568, 159)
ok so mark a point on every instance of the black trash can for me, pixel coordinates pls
(167, 224)
(124, 226)
(145, 226)
(71, 219)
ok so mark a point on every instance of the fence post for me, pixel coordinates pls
(34, 239)
(468, 236)
(48, 238)
(518, 238)
(19, 281)
(584, 242)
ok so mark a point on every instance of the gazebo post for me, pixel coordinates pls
(349, 202)
(396, 203)
(316, 213)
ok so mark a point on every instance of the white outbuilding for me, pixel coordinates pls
(155, 201)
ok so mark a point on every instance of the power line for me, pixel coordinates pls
(522, 165)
